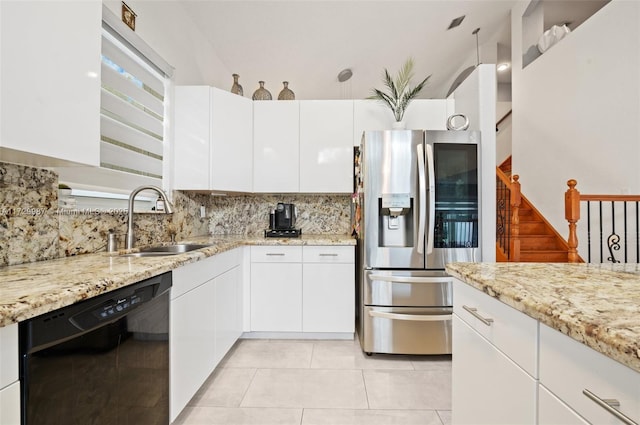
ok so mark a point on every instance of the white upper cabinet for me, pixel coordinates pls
(50, 79)
(213, 140)
(276, 131)
(191, 138)
(326, 148)
(232, 141)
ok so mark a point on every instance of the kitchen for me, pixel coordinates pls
(192, 204)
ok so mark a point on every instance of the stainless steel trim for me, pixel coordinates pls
(422, 184)
(432, 199)
(411, 317)
(474, 312)
(409, 279)
(610, 406)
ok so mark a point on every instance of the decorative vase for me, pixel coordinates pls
(286, 93)
(236, 88)
(261, 93)
(399, 125)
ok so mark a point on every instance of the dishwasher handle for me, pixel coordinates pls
(411, 317)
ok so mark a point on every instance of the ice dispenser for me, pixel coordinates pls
(395, 220)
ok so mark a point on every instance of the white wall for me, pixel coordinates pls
(576, 110)
(166, 27)
(476, 98)
(503, 135)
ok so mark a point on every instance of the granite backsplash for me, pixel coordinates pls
(33, 228)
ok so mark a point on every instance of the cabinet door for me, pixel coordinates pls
(326, 148)
(10, 405)
(231, 142)
(228, 315)
(552, 411)
(191, 344)
(275, 146)
(50, 100)
(369, 115)
(191, 138)
(328, 301)
(276, 297)
(8, 354)
(488, 388)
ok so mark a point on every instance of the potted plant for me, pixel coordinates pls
(399, 93)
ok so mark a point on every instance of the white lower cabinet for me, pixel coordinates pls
(308, 289)
(276, 289)
(488, 387)
(328, 290)
(551, 410)
(569, 369)
(511, 369)
(10, 404)
(192, 344)
(9, 384)
(494, 379)
(206, 320)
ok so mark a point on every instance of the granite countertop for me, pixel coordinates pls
(598, 305)
(28, 290)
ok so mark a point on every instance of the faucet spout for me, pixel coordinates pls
(168, 209)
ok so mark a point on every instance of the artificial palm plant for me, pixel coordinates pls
(399, 95)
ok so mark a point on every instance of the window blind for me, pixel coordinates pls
(132, 111)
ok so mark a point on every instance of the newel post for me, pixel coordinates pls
(514, 242)
(572, 215)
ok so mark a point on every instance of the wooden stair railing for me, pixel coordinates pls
(602, 209)
(508, 217)
(523, 234)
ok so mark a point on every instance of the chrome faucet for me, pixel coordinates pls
(168, 209)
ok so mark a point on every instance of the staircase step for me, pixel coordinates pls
(533, 228)
(550, 256)
(538, 242)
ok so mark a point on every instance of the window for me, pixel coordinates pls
(133, 128)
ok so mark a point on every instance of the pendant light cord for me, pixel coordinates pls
(475, 32)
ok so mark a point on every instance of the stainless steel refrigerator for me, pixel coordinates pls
(418, 208)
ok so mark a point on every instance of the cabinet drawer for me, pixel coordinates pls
(328, 254)
(192, 275)
(552, 411)
(568, 367)
(8, 354)
(276, 254)
(512, 332)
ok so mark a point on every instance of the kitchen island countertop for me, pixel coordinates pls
(595, 304)
(31, 289)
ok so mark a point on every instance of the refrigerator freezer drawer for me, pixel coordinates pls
(397, 330)
(407, 288)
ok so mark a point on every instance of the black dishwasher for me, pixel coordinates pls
(102, 361)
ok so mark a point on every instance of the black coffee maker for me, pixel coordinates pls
(282, 222)
(285, 216)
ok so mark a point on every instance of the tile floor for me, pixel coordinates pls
(265, 382)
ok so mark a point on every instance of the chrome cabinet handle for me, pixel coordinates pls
(474, 312)
(422, 193)
(410, 279)
(328, 255)
(275, 254)
(411, 317)
(610, 406)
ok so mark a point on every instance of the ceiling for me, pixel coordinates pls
(307, 43)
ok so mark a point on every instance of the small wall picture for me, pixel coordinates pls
(128, 17)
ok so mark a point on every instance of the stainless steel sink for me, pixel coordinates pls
(156, 251)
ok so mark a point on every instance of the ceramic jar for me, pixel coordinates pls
(286, 93)
(261, 93)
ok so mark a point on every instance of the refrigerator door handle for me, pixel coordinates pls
(410, 279)
(411, 317)
(422, 193)
(432, 199)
